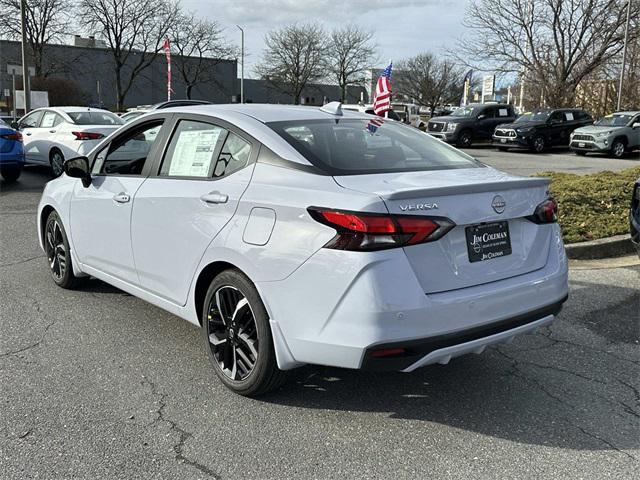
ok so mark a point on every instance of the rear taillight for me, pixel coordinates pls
(373, 231)
(546, 212)
(16, 137)
(88, 135)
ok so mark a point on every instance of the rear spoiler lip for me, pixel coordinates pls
(467, 188)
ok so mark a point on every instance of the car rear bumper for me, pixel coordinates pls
(11, 159)
(338, 306)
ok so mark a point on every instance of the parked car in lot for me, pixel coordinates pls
(52, 134)
(634, 216)
(471, 123)
(11, 153)
(298, 235)
(541, 129)
(141, 110)
(615, 134)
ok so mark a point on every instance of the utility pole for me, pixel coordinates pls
(624, 54)
(242, 66)
(25, 67)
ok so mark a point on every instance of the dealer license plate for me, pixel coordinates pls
(487, 241)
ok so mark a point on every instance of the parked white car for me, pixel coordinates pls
(54, 134)
(299, 235)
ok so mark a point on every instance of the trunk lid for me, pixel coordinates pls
(464, 196)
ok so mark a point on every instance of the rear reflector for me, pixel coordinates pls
(388, 352)
(546, 212)
(373, 231)
(16, 137)
(88, 135)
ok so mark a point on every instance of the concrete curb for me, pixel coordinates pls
(616, 246)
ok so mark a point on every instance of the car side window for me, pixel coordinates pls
(192, 149)
(488, 113)
(234, 155)
(128, 154)
(556, 117)
(569, 116)
(32, 120)
(504, 112)
(50, 119)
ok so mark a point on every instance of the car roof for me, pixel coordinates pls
(627, 112)
(266, 113)
(73, 109)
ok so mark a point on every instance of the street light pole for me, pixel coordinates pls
(242, 66)
(25, 67)
(624, 54)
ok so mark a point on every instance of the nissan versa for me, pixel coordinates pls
(298, 235)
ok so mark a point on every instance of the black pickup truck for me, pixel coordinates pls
(540, 129)
(468, 124)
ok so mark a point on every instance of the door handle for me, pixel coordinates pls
(27, 134)
(52, 131)
(121, 198)
(214, 197)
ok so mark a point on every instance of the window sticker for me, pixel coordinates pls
(503, 112)
(568, 116)
(193, 154)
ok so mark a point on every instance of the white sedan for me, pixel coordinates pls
(54, 134)
(298, 235)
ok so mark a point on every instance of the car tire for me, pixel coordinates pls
(618, 148)
(56, 246)
(465, 139)
(237, 336)
(56, 159)
(10, 174)
(538, 144)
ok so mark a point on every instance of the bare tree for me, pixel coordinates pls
(199, 47)
(557, 43)
(293, 57)
(429, 81)
(46, 22)
(133, 30)
(350, 53)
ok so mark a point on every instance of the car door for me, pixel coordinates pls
(180, 210)
(28, 126)
(634, 133)
(486, 123)
(101, 213)
(555, 128)
(44, 137)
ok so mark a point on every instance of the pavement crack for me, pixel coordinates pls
(602, 440)
(20, 262)
(184, 435)
(51, 323)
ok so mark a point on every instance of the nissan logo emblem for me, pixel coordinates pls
(498, 204)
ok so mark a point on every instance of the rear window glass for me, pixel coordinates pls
(95, 118)
(360, 146)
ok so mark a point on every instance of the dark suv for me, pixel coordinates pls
(471, 123)
(540, 129)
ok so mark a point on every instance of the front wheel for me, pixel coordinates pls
(238, 337)
(538, 145)
(465, 139)
(56, 158)
(617, 149)
(58, 253)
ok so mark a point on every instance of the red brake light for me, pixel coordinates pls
(88, 135)
(16, 137)
(372, 231)
(546, 212)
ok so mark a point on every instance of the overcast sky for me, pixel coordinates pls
(402, 28)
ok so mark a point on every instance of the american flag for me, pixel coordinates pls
(382, 97)
(167, 53)
(373, 125)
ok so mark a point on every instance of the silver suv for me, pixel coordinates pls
(616, 134)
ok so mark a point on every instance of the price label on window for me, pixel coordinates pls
(193, 153)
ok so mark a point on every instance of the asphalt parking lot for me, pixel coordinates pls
(95, 384)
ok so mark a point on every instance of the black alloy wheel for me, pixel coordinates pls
(238, 336)
(538, 144)
(57, 161)
(56, 246)
(465, 139)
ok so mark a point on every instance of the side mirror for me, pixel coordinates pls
(636, 125)
(78, 167)
(15, 125)
(481, 116)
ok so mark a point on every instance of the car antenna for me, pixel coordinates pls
(334, 108)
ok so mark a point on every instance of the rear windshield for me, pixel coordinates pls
(360, 146)
(95, 118)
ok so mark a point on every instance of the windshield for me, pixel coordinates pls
(95, 118)
(467, 111)
(360, 146)
(539, 116)
(614, 120)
